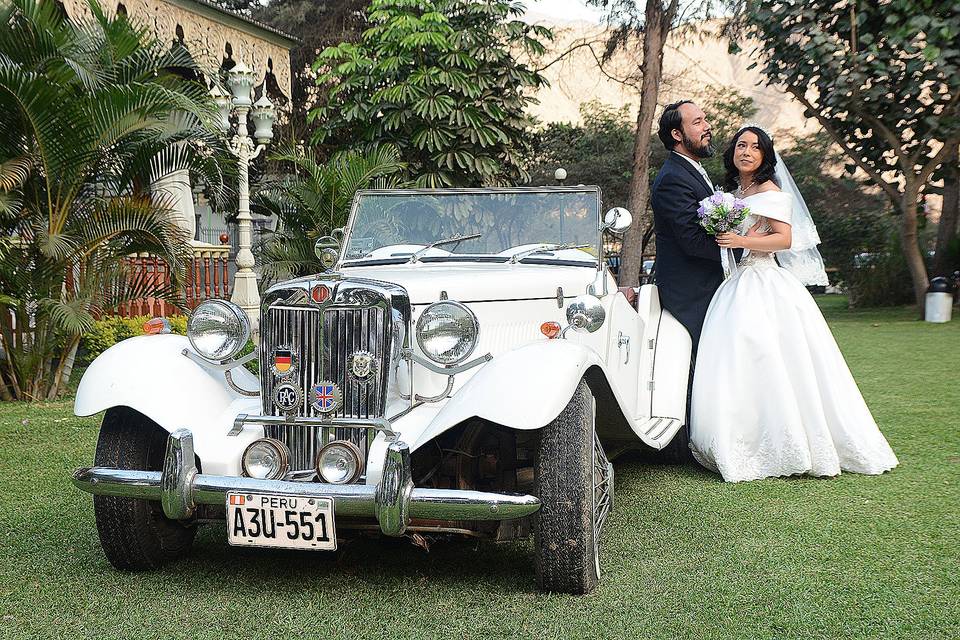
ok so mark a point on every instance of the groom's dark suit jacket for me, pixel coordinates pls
(688, 269)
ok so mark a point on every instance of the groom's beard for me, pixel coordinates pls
(701, 149)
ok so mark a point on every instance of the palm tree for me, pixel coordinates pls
(90, 115)
(313, 200)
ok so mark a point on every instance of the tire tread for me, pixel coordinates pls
(134, 533)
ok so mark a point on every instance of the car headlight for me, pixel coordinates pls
(447, 332)
(266, 459)
(339, 462)
(218, 329)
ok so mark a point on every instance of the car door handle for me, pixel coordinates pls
(624, 341)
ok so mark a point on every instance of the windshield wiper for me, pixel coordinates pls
(520, 255)
(456, 239)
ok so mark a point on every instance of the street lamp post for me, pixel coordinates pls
(560, 175)
(240, 80)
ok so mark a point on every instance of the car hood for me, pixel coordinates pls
(424, 282)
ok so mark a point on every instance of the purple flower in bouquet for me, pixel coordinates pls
(721, 212)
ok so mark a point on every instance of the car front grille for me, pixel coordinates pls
(322, 341)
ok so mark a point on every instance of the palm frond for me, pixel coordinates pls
(14, 172)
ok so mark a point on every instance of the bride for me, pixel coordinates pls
(772, 395)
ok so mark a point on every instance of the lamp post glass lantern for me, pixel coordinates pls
(240, 81)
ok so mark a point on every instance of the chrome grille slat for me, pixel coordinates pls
(323, 339)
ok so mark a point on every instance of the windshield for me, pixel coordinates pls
(398, 224)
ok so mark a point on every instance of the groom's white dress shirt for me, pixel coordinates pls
(697, 166)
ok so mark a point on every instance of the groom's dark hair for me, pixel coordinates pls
(671, 119)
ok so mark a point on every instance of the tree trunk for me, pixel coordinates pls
(62, 375)
(908, 241)
(654, 37)
(947, 227)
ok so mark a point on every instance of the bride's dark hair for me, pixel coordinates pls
(768, 166)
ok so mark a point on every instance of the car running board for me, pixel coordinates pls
(658, 431)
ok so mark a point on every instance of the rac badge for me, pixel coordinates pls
(284, 362)
(362, 365)
(327, 397)
(287, 397)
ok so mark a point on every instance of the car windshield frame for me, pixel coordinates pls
(537, 258)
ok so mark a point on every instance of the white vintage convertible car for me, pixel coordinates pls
(466, 366)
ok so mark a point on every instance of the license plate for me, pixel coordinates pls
(286, 522)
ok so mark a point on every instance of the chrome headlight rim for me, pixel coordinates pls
(476, 332)
(356, 454)
(231, 312)
(283, 454)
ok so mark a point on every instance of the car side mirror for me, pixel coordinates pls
(327, 249)
(617, 220)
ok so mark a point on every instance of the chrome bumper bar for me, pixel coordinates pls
(393, 502)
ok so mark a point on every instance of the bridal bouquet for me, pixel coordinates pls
(722, 212)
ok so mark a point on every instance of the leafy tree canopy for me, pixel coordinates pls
(318, 24)
(594, 152)
(882, 78)
(440, 80)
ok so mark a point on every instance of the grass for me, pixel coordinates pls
(685, 555)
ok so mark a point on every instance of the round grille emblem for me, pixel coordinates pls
(327, 396)
(287, 397)
(320, 293)
(363, 365)
(284, 362)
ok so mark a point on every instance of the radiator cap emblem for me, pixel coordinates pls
(363, 365)
(287, 397)
(327, 396)
(284, 361)
(320, 293)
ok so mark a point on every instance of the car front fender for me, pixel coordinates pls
(525, 388)
(151, 375)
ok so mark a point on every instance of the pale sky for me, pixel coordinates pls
(564, 10)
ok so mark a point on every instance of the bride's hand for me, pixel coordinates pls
(730, 241)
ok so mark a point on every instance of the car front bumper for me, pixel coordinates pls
(393, 502)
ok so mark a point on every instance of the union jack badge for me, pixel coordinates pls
(327, 396)
(362, 365)
(284, 362)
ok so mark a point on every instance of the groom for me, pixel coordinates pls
(688, 269)
(688, 259)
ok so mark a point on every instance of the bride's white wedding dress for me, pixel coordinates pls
(772, 395)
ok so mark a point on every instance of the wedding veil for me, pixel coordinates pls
(802, 259)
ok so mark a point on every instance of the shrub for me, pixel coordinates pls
(109, 331)
(106, 332)
(880, 279)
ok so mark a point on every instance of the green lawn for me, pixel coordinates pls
(685, 556)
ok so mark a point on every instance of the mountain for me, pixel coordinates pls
(690, 65)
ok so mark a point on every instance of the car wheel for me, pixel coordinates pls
(575, 486)
(134, 533)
